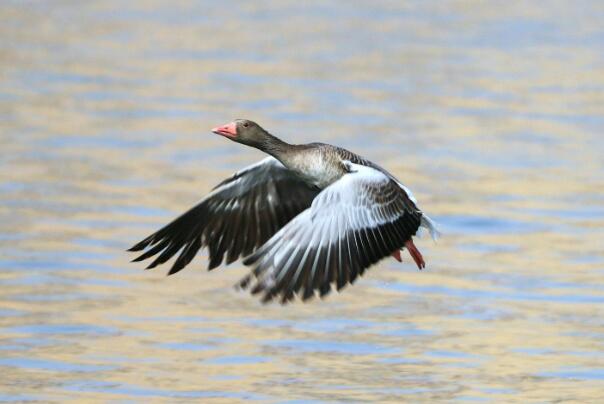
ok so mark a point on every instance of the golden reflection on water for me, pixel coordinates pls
(492, 114)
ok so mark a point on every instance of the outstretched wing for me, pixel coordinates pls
(239, 215)
(352, 224)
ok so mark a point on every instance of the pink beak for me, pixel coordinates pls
(228, 130)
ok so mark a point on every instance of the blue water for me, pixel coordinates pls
(491, 113)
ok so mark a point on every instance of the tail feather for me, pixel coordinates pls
(429, 224)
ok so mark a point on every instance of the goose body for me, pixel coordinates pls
(306, 219)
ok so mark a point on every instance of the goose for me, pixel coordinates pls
(306, 219)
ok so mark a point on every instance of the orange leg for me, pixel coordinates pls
(397, 255)
(415, 254)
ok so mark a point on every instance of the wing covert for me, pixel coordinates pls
(352, 224)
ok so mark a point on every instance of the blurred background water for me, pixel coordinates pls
(492, 112)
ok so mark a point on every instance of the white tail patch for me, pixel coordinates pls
(426, 222)
(429, 224)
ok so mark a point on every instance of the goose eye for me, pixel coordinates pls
(245, 125)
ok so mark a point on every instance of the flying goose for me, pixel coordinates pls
(307, 218)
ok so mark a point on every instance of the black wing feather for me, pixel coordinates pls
(240, 215)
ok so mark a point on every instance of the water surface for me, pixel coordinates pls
(492, 113)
